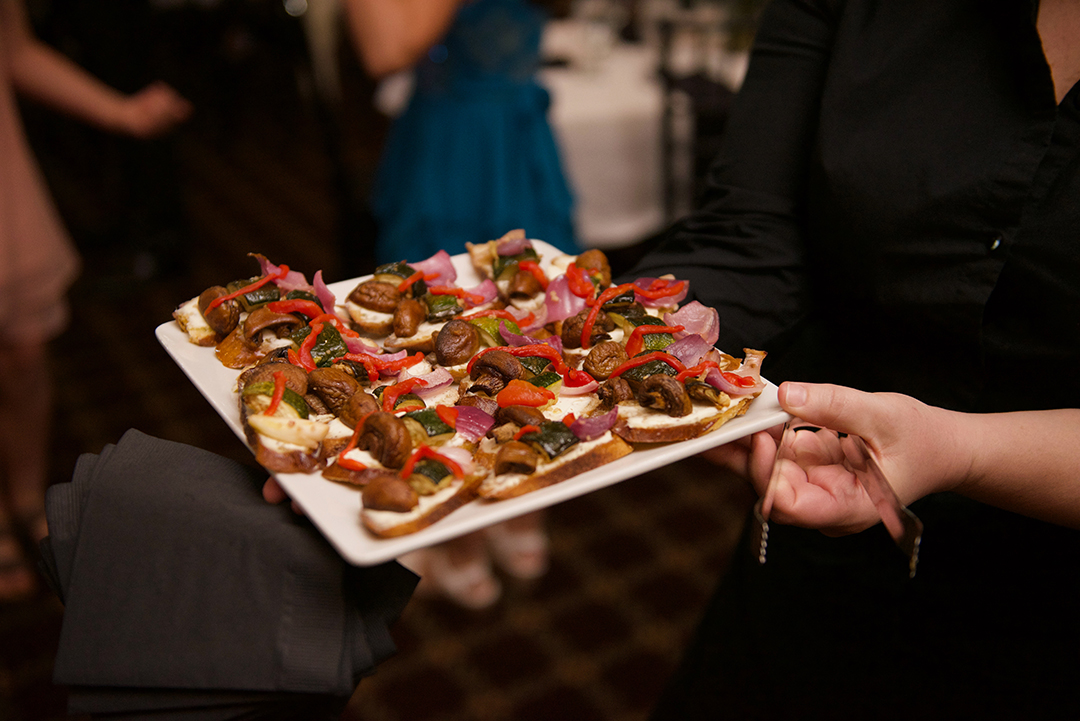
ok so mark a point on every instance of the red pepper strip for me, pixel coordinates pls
(613, 292)
(407, 283)
(695, 371)
(648, 358)
(448, 415)
(373, 364)
(635, 343)
(661, 288)
(504, 314)
(526, 429)
(297, 305)
(568, 419)
(428, 452)
(473, 298)
(393, 392)
(336, 322)
(578, 280)
(279, 391)
(293, 357)
(522, 393)
(282, 272)
(570, 376)
(306, 361)
(532, 267)
(349, 463)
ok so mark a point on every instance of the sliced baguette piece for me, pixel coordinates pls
(388, 524)
(637, 424)
(582, 457)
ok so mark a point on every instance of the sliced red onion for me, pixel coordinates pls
(512, 246)
(323, 293)
(689, 350)
(539, 318)
(514, 339)
(696, 318)
(560, 302)
(717, 380)
(569, 390)
(473, 423)
(459, 455)
(359, 345)
(436, 381)
(666, 301)
(487, 289)
(589, 429)
(293, 280)
(441, 266)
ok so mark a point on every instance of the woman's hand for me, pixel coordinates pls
(153, 111)
(910, 440)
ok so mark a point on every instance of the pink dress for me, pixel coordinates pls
(38, 262)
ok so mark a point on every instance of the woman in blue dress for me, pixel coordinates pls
(473, 155)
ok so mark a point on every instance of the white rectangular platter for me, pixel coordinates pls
(335, 508)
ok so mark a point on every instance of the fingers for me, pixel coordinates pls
(837, 407)
(273, 492)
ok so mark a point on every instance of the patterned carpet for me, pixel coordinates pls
(632, 565)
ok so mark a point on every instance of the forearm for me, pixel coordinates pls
(393, 35)
(40, 72)
(1027, 462)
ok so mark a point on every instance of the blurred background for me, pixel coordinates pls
(279, 158)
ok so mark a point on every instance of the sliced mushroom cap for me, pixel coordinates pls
(493, 370)
(572, 327)
(666, 394)
(614, 390)
(486, 404)
(456, 342)
(222, 318)
(387, 492)
(516, 457)
(262, 318)
(523, 285)
(295, 377)
(604, 358)
(594, 259)
(520, 415)
(333, 385)
(376, 295)
(408, 316)
(385, 436)
(359, 405)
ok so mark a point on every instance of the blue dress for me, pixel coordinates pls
(473, 155)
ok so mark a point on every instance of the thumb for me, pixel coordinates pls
(837, 407)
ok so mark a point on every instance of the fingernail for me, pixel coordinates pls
(795, 395)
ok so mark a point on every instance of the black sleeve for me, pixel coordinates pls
(743, 251)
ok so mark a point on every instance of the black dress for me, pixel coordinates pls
(897, 208)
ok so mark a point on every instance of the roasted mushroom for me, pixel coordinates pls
(523, 285)
(484, 403)
(594, 259)
(295, 377)
(262, 318)
(385, 436)
(222, 318)
(572, 327)
(516, 457)
(614, 391)
(493, 370)
(699, 391)
(359, 405)
(387, 492)
(334, 386)
(408, 316)
(666, 394)
(604, 358)
(456, 342)
(377, 296)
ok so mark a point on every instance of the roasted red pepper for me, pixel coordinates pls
(297, 305)
(393, 392)
(374, 364)
(635, 343)
(613, 292)
(504, 314)
(526, 429)
(461, 293)
(282, 272)
(428, 452)
(661, 288)
(279, 391)
(407, 283)
(306, 361)
(579, 282)
(648, 358)
(533, 268)
(695, 371)
(448, 415)
(522, 393)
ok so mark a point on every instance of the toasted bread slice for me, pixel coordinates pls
(584, 456)
(388, 524)
(637, 424)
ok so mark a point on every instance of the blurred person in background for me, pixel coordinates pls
(38, 263)
(472, 157)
